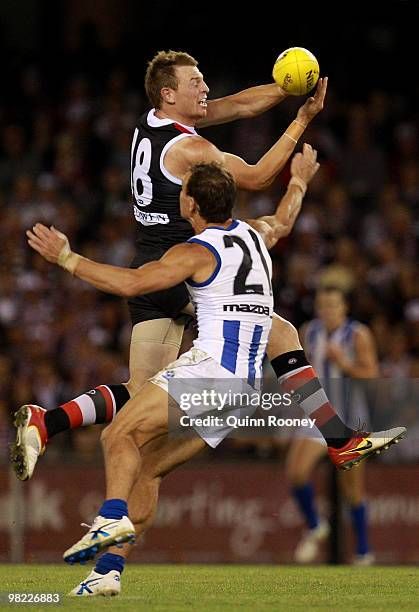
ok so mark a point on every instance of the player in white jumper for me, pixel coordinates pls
(228, 271)
(341, 350)
(238, 313)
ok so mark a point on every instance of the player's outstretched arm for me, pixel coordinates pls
(179, 263)
(259, 176)
(273, 227)
(242, 105)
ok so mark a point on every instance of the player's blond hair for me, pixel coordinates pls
(161, 73)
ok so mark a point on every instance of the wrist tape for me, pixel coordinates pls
(298, 182)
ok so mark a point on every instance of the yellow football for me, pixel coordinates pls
(296, 70)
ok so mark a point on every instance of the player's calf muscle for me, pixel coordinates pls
(283, 338)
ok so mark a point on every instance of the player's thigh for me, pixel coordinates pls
(283, 337)
(352, 483)
(189, 336)
(154, 344)
(303, 455)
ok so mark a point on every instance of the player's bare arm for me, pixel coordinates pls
(247, 176)
(262, 174)
(365, 363)
(273, 227)
(181, 262)
(242, 105)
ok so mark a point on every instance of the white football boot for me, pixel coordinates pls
(365, 560)
(95, 584)
(103, 533)
(308, 547)
(31, 439)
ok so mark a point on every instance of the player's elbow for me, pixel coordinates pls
(131, 287)
(270, 238)
(264, 183)
(284, 230)
(278, 231)
(134, 289)
(126, 291)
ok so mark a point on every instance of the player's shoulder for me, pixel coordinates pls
(187, 251)
(213, 237)
(313, 324)
(197, 149)
(143, 117)
(162, 125)
(147, 121)
(200, 251)
(310, 329)
(360, 330)
(265, 231)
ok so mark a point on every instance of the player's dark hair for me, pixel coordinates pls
(213, 188)
(161, 73)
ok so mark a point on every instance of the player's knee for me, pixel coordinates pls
(353, 499)
(112, 433)
(134, 385)
(297, 478)
(104, 436)
(351, 495)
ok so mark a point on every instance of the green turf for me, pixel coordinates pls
(207, 588)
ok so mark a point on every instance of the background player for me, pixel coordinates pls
(341, 350)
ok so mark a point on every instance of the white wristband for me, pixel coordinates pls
(67, 259)
(290, 137)
(298, 182)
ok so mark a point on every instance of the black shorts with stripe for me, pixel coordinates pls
(161, 304)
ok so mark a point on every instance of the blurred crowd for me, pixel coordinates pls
(65, 159)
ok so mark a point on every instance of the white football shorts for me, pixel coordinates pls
(212, 398)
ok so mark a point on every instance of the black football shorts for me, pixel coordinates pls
(161, 304)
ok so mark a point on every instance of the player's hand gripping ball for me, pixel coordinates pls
(296, 71)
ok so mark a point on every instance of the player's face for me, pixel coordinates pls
(331, 308)
(191, 94)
